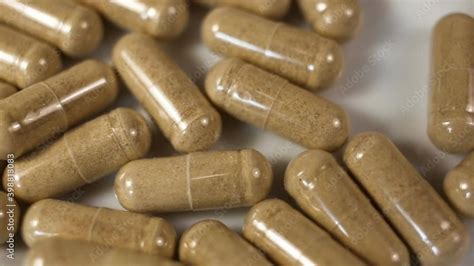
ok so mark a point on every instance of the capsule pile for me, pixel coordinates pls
(58, 134)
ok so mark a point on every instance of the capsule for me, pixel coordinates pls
(46, 109)
(334, 19)
(413, 207)
(6, 90)
(177, 105)
(56, 251)
(459, 186)
(267, 8)
(328, 195)
(271, 102)
(82, 156)
(9, 218)
(289, 238)
(210, 242)
(74, 29)
(164, 19)
(300, 56)
(450, 125)
(24, 60)
(51, 218)
(196, 181)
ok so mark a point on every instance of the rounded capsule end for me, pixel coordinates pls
(43, 62)
(340, 22)
(168, 20)
(210, 27)
(452, 133)
(258, 175)
(192, 236)
(361, 143)
(327, 67)
(31, 228)
(163, 238)
(84, 32)
(217, 82)
(459, 188)
(132, 132)
(258, 215)
(124, 187)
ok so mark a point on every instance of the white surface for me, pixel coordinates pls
(384, 88)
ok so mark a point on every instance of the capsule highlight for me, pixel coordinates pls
(302, 57)
(268, 101)
(413, 207)
(194, 181)
(459, 186)
(274, 9)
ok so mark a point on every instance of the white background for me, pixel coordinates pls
(383, 88)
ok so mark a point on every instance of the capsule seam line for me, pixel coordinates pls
(265, 122)
(91, 228)
(73, 158)
(188, 182)
(116, 138)
(270, 39)
(58, 101)
(239, 68)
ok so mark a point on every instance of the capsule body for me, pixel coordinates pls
(459, 186)
(25, 60)
(450, 125)
(60, 219)
(9, 217)
(82, 156)
(334, 19)
(6, 90)
(46, 109)
(74, 29)
(176, 104)
(289, 238)
(196, 181)
(414, 208)
(271, 102)
(267, 8)
(300, 56)
(210, 242)
(164, 19)
(56, 251)
(328, 195)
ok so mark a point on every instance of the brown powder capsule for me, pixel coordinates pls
(164, 19)
(56, 251)
(196, 181)
(74, 29)
(289, 238)
(6, 90)
(334, 19)
(300, 56)
(9, 218)
(268, 8)
(329, 196)
(459, 186)
(413, 207)
(82, 156)
(210, 242)
(121, 229)
(44, 110)
(450, 125)
(24, 60)
(271, 102)
(176, 104)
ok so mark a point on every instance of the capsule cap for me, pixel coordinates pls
(257, 174)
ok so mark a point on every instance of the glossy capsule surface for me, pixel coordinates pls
(289, 238)
(24, 60)
(459, 186)
(210, 242)
(9, 218)
(303, 57)
(325, 192)
(82, 156)
(196, 181)
(176, 104)
(164, 19)
(6, 90)
(74, 29)
(51, 218)
(268, 101)
(413, 207)
(334, 19)
(451, 111)
(56, 252)
(44, 110)
(267, 8)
